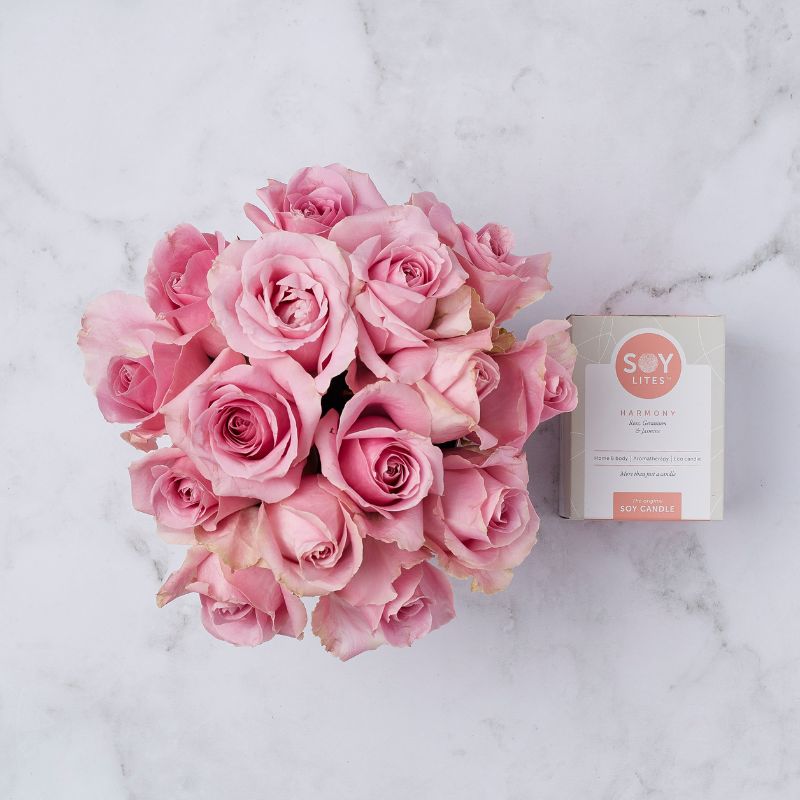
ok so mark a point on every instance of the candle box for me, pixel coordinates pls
(646, 441)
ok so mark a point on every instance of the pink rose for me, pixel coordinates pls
(405, 270)
(134, 365)
(287, 293)
(247, 427)
(513, 410)
(313, 539)
(456, 315)
(395, 598)
(167, 485)
(560, 393)
(176, 285)
(535, 385)
(246, 607)
(505, 282)
(461, 377)
(484, 523)
(379, 452)
(314, 200)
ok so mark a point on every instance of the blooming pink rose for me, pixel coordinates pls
(247, 427)
(560, 393)
(379, 452)
(505, 282)
(167, 485)
(246, 607)
(313, 539)
(134, 365)
(287, 293)
(405, 270)
(176, 285)
(457, 315)
(484, 523)
(513, 410)
(395, 598)
(315, 199)
(462, 376)
(535, 385)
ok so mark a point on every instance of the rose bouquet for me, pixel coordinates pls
(342, 407)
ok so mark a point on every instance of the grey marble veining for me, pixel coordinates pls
(654, 148)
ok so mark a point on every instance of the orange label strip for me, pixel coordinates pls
(647, 505)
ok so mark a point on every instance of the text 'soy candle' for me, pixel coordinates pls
(646, 441)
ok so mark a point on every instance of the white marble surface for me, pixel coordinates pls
(654, 147)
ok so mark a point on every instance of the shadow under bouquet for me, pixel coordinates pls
(345, 413)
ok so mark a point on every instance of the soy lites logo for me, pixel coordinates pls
(648, 365)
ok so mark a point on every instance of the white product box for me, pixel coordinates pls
(647, 438)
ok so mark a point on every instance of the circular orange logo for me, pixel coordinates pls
(648, 365)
